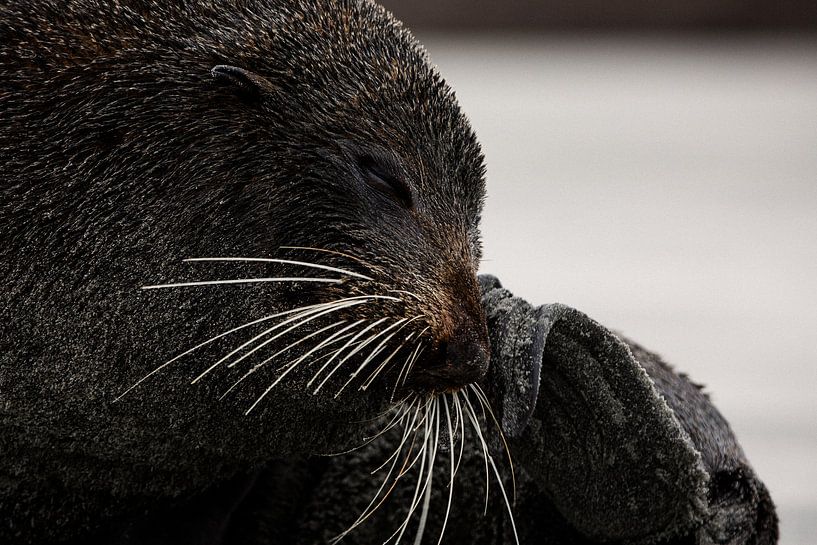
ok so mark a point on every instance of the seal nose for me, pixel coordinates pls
(461, 360)
(464, 353)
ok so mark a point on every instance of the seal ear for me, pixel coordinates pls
(248, 84)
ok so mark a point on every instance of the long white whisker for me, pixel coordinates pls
(461, 420)
(309, 317)
(414, 500)
(242, 281)
(451, 482)
(288, 347)
(337, 354)
(385, 362)
(469, 410)
(396, 419)
(406, 292)
(369, 509)
(487, 404)
(350, 354)
(408, 363)
(328, 251)
(370, 356)
(311, 314)
(432, 453)
(280, 261)
(295, 363)
(505, 496)
(414, 359)
(379, 348)
(211, 340)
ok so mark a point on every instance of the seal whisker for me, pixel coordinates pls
(483, 399)
(291, 365)
(461, 422)
(311, 314)
(411, 428)
(338, 355)
(490, 460)
(416, 357)
(279, 261)
(378, 349)
(422, 456)
(469, 411)
(369, 510)
(213, 339)
(243, 281)
(453, 471)
(288, 347)
(333, 252)
(370, 356)
(406, 292)
(407, 365)
(505, 497)
(424, 494)
(421, 526)
(297, 361)
(350, 354)
(396, 419)
(385, 362)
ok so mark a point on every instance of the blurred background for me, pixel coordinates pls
(654, 164)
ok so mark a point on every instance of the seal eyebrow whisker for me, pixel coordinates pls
(279, 261)
(289, 346)
(243, 281)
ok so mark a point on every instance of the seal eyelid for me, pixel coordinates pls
(383, 179)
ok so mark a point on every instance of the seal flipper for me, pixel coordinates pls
(517, 333)
(625, 448)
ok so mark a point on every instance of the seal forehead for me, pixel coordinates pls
(352, 70)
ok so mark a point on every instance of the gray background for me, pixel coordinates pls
(666, 184)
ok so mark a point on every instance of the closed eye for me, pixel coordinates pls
(381, 179)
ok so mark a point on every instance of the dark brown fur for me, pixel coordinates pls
(122, 153)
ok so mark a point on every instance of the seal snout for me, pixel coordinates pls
(459, 361)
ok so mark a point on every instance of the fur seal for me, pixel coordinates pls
(319, 177)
